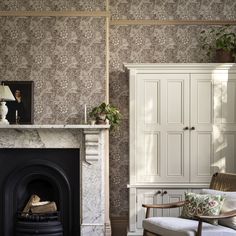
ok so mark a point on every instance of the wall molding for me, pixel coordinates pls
(172, 22)
(107, 27)
(55, 13)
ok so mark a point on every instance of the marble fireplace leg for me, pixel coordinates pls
(93, 191)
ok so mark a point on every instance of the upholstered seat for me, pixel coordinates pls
(173, 226)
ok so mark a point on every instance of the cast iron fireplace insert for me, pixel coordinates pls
(51, 173)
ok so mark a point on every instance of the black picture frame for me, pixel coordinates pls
(20, 112)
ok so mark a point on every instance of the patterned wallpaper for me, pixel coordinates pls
(52, 5)
(64, 56)
(173, 9)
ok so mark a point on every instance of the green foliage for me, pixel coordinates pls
(218, 38)
(109, 112)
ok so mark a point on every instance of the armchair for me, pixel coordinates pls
(174, 226)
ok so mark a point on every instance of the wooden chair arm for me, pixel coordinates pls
(224, 215)
(168, 205)
(162, 206)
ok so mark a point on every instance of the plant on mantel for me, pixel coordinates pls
(221, 41)
(106, 112)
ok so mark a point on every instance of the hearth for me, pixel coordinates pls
(52, 174)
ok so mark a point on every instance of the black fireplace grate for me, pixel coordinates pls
(42, 224)
(38, 217)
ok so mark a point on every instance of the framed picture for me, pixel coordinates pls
(20, 111)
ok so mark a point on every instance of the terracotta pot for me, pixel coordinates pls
(101, 119)
(224, 56)
(100, 122)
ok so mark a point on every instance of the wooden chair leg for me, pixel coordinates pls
(199, 228)
(144, 232)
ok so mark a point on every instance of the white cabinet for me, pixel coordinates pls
(158, 196)
(182, 129)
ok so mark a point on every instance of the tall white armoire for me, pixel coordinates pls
(182, 130)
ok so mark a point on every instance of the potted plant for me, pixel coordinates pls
(105, 112)
(220, 41)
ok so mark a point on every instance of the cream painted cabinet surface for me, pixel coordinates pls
(182, 130)
(158, 196)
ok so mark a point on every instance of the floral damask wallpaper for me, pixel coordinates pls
(64, 56)
(173, 9)
(52, 5)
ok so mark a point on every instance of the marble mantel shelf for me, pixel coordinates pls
(91, 136)
(79, 126)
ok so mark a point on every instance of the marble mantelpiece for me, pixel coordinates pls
(91, 139)
(83, 127)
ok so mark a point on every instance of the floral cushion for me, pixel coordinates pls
(202, 204)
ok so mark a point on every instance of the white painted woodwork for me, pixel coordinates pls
(133, 209)
(202, 120)
(225, 152)
(158, 196)
(173, 195)
(150, 196)
(161, 139)
(182, 130)
(225, 97)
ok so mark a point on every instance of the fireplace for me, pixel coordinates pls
(51, 173)
(88, 205)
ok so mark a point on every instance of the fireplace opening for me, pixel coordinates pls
(46, 191)
(40, 214)
(39, 192)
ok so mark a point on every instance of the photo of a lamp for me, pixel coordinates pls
(5, 95)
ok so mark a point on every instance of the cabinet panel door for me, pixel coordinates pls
(224, 133)
(162, 112)
(225, 151)
(202, 126)
(147, 196)
(213, 114)
(173, 195)
(225, 99)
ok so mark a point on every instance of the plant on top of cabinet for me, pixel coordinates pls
(105, 112)
(220, 41)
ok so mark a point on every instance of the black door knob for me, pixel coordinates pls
(165, 192)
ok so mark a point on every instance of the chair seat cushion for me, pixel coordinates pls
(174, 226)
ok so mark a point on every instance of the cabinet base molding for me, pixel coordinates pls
(136, 233)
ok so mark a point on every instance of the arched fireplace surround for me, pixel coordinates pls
(52, 173)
